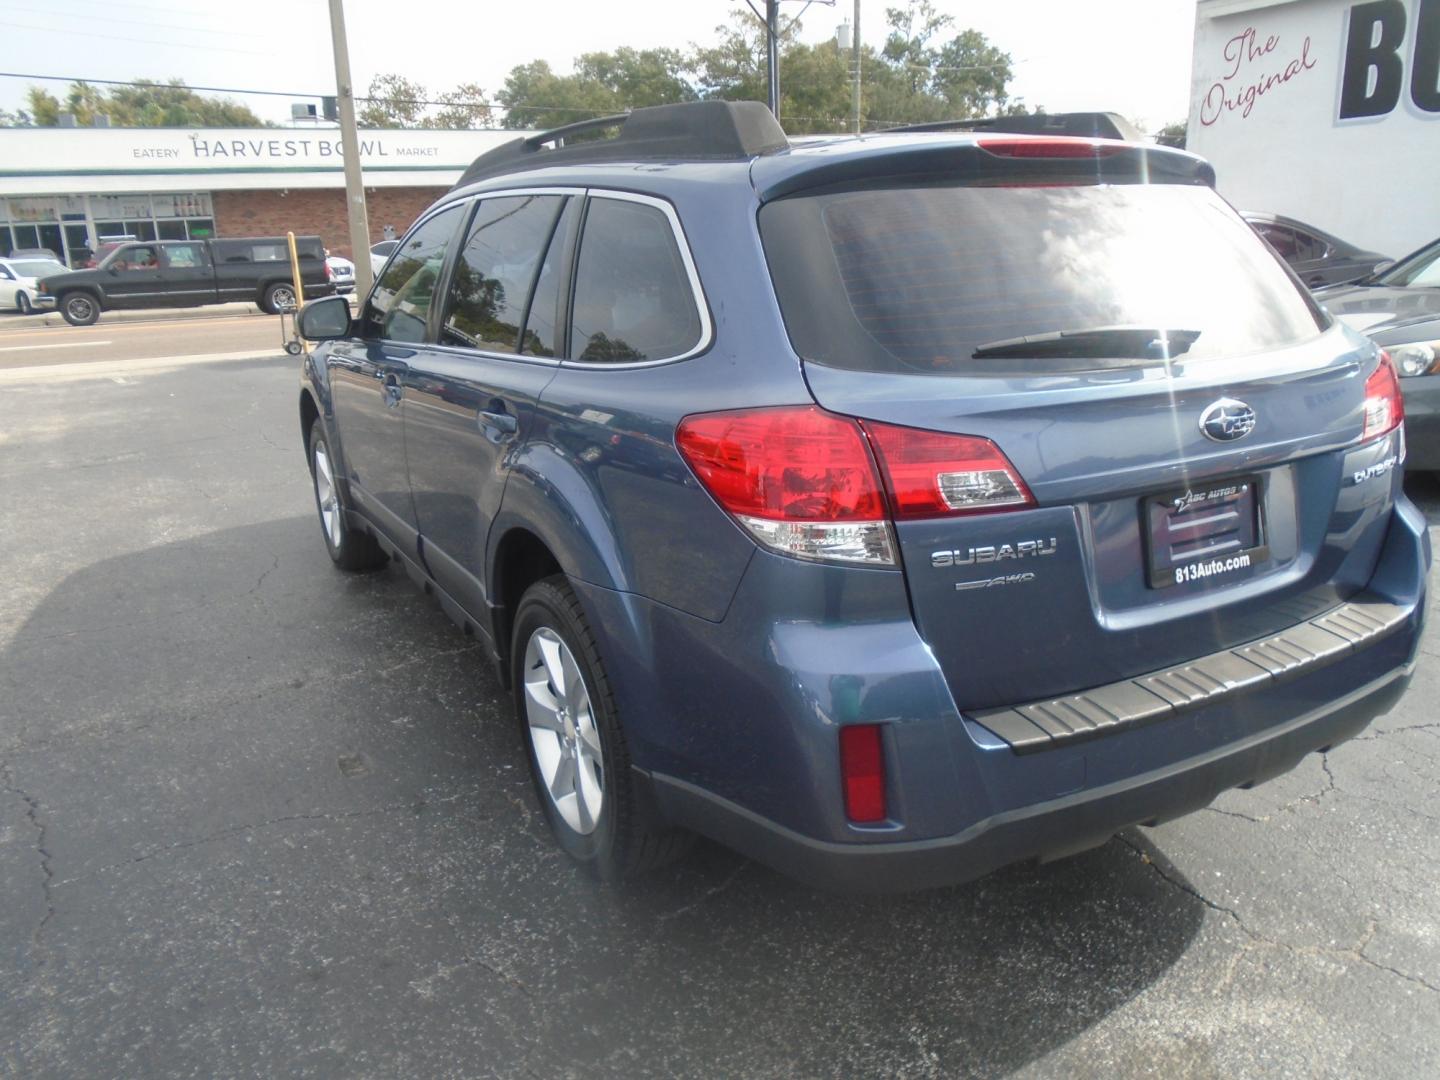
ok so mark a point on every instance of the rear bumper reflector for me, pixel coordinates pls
(1041, 725)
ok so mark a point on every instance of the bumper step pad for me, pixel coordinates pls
(1041, 725)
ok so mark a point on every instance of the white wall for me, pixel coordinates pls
(1374, 181)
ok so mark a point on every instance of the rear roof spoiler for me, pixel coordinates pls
(994, 158)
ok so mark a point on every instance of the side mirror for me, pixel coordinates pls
(325, 319)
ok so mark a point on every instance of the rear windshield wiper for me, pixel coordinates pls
(1100, 342)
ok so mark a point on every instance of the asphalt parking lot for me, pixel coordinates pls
(261, 817)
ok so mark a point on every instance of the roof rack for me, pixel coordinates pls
(691, 131)
(1089, 125)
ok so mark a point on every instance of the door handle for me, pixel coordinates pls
(392, 390)
(498, 422)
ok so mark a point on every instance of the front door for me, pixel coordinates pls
(367, 378)
(471, 397)
(134, 277)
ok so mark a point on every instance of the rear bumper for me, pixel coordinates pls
(735, 726)
(1422, 422)
(1050, 829)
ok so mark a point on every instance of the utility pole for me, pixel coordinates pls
(855, 75)
(350, 145)
(772, 55)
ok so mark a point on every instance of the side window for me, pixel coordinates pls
(400, 304)
(1281, 239)
(5, 274)
(1308, 247)
(632, 296)
(138, 258)
(496, 271)
(184, 256)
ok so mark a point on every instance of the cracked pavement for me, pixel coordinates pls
(260, 817)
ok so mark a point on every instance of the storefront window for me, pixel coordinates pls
(201, 228)
(171, 230)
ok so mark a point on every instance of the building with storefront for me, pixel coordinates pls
(67, 189)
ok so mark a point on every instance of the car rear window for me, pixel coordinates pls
(930, 279)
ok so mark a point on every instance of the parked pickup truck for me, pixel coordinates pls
(187, 273)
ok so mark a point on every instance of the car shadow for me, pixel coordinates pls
(259, 779)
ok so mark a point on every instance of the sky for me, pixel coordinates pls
(1126, 56)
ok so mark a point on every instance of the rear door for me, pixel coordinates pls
(367, 376)
(1168, 414)
(187, 274)
(471, 396)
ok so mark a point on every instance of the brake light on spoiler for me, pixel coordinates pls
(806, 482)
(1051, 147)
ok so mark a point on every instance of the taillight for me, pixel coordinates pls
(932, 474)
(1050, 147)
(862, 773)
(799, 479)
(329, 274)
(1384, 406)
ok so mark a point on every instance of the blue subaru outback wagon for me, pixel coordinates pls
(888, 508)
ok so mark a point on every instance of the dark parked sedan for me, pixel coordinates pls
(1400, 311)
(1317, 257)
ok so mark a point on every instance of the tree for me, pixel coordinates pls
(464, 107)
(392, 101)
(534, 96)
(146, 104)
(917, 76)
(1173, 134)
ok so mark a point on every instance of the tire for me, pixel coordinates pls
(349, 549)
(79, 308)
(23, 305)
(279, 296)
(294, 348)
(596, 815)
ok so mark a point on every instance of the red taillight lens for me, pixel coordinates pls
(931, 474)
(1049, 147)
(1384, 405)
(862, 773)
(329, 273)
(786, 464)
(801, 480)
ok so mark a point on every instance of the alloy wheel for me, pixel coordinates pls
(327, 496)
(563, 732)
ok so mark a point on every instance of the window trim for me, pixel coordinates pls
(697, 290)
(585, 194)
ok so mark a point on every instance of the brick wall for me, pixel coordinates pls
(312, 211)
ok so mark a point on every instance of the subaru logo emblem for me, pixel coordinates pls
(1227, 420)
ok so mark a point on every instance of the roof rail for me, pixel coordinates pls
(691, 131)
(1090, 125)
(558, 135)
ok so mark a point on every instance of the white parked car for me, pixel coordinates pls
(380, 255)
(17, 283)
(342, 273)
